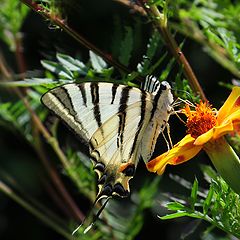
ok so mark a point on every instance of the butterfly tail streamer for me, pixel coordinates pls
(95, 218)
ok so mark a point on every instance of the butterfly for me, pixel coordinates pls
(119, 123)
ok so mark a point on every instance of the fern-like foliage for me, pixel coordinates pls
(219, 205)
(214, 24)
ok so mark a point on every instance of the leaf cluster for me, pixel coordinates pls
(214, 24)
(218, 205)
(12, 15)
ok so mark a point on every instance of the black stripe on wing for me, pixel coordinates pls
(83, 93)
(62, 96)
(123, 103)
(114, 91)
(95, 101)
(140, 123)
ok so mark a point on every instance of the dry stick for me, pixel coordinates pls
(52, 141)
(71, 205)
(133, 6)
(53, 174)
(161, 24)
(63, 25)
(19, 54)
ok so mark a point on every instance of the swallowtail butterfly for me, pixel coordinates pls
(120, 124)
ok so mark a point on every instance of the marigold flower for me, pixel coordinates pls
(206, 128)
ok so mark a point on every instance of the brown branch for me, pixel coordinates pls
(133, 6)
(19, 55)
(63, 25)
(161, 24)
(38, 126)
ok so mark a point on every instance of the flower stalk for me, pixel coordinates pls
(226, 161)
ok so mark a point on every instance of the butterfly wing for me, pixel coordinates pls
(84, 107)
(112, 119)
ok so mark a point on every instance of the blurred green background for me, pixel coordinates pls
(96, 21)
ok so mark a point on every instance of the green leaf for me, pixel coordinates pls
(97, 62)
(35, 82)
(208, 200)
(175, 206)
(57, 69)
(152, 47)
(174, 215)
(194, 193)
(126, 47)
(71, 63)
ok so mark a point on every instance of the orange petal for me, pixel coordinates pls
(231, 105)
(205, 137)
(223, 129)
(181, 152)
(214, 133)
(235, 116)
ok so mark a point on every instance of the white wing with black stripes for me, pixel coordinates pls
(119, 122)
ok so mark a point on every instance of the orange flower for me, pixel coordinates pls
(205, 130)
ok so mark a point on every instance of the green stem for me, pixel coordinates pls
(45, 219)
(226, 161)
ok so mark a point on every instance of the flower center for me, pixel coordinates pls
(201, 120)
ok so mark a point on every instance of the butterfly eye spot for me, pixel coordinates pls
(129, 170)
(107, 190)
(102, 180)
(99, 166)
(119, 190)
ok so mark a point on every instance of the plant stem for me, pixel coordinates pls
(161, 24)
(45, 219)
(19, 54)
(71, 205)
(37, 124)
(55, 146)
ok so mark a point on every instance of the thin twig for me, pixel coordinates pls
(4, 69)
(19, 55)
(71, 205)
(37, 124)
(63, 25)
(160, 21)
(134, 7)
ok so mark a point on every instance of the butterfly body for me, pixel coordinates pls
(120, 123)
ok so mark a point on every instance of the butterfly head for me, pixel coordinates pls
(164, 85)
(114, 180)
